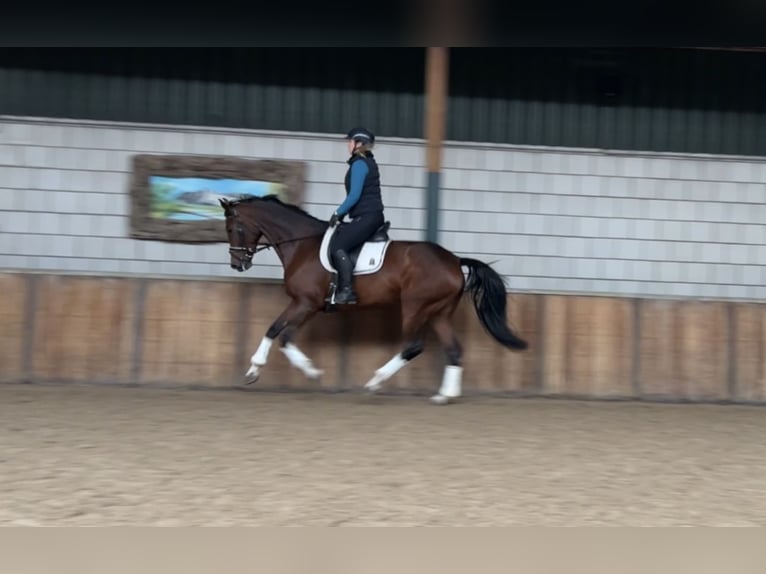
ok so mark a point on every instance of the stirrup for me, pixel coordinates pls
(349, 293)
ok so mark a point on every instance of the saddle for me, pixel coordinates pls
(367, 258)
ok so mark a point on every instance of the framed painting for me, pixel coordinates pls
(175, 197)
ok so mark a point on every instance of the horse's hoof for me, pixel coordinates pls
(440, 399)
(252, 375)
(313, 373)
(372, 389)
(374, 384)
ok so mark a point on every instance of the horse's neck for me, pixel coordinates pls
(287, 231)
(287, 226)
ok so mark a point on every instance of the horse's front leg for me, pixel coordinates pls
(284, 327)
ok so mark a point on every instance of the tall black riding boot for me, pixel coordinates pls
(345, 292)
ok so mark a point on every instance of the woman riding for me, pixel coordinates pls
(363, 205)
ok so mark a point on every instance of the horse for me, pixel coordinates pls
(424, 279)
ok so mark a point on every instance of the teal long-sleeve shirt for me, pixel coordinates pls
(359, 171)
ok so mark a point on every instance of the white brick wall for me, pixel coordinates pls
(64, 198)
(553, 219)
(595, 221)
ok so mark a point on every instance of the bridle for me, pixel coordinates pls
(242, 252)
(245, 254)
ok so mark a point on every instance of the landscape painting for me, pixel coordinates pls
(176, 197)
(196, 198)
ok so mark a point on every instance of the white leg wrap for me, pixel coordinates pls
(298, 359)
(259, 358)
(385, 372)
(451, 385)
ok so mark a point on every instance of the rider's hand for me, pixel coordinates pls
(334, 220)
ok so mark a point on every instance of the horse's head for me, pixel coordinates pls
(243, 236)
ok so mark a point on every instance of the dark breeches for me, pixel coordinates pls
(354, 233)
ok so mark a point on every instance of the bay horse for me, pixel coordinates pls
(423, 278)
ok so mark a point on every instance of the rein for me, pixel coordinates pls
(249, 252)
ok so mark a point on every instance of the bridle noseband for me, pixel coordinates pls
(245, 254)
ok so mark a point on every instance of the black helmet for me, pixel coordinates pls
(361, 135)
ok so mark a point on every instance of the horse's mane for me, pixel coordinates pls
(249, 199)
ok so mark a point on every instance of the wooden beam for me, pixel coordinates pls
(436, 105)
(437, 67)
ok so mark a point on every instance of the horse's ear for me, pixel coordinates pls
(224, 202)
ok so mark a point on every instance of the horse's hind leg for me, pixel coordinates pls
(412, 324)
(284, 327)
(410, 350)
(451, 387)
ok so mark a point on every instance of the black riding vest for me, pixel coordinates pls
(370, 200)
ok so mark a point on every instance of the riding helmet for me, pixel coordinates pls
(361, 135)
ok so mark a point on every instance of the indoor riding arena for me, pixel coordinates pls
(625, 211)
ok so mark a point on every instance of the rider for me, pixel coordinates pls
(363, 204)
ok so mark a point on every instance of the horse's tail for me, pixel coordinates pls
(487, 289)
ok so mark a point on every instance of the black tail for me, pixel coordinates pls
(487, 289)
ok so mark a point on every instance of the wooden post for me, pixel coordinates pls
(435, 131)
